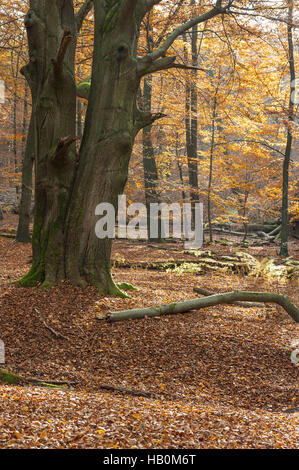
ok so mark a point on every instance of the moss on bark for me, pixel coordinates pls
(9, 378)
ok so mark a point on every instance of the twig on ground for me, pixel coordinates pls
(55, 333)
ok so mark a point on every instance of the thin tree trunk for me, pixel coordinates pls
(244, 215)
(149, 162)
(288, 151)
(80, 108)
(150, 169)
(180, 166)
(191, 124)
(23, 234)
(212, 145)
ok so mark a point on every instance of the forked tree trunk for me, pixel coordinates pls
(66, 194)
(64, 242)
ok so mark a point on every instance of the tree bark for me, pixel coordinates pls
(51, 31)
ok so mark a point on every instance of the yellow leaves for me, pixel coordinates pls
(157, 441)
(101, 432)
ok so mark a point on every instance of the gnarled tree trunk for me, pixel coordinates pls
(64, 242)
(51, 30)
(110, 130)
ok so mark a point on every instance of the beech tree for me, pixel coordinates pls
(66, 193)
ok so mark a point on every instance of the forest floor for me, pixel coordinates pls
(219, 377)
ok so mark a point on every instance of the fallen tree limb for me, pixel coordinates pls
(222, 261)
(274, 232)
(137, 393)
(203, 302)
(206, 261)
(7, 235)
(231, 232)
(15, 379)
(206, 293)
(49, 382)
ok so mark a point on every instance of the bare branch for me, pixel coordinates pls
(144, 119)
(82, 13)
(147, 66)
(218, 9)
(166, 63)
(156, 60)
(187, 67)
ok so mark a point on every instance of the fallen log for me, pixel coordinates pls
(275, 231)
(203, 302)
(7, 235)
(207, 262)
(230, 232)
(251, 228)
(206, 292)
(15, 379)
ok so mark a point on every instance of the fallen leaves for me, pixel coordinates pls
(219, 378)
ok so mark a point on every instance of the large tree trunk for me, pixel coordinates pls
(106, 148)
(64, 242)
(51, 30)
